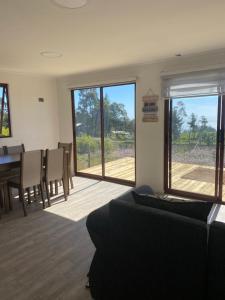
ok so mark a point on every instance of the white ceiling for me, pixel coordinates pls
(105, 33)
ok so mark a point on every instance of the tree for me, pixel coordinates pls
(118, 117)
(203, 122)
(89, 119)
(192, 125)
(178, 114)
(88, 111)
(202, 132)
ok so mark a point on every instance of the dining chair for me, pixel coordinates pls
(2, 151)
(14, 149)
(30, 175)
(54, 170)
(18, 149)
(5, 175)
(68, 147)
(3, 195)
(1, 201)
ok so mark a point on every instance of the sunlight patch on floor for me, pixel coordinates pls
(86, 196)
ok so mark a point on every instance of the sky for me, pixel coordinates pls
(201, 106)
(124, 94)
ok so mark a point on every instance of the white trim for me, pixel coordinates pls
(213, 213)
(102, 83)
(212, 67)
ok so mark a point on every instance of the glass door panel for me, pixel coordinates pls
(222, 173)
(119, 131)
(88, 131)
(193, 144)
(222, 154)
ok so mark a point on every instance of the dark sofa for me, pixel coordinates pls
(216, 262)
(147, 253)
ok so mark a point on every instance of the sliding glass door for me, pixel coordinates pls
(119, 131)
(221, 178)
(88, 131)
(192, 146)
(104, 132)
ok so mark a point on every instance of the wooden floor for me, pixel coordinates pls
(47, 254)
(179, 170)
(123, 168)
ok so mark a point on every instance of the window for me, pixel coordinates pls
(194, 135)
(5, 126)
(104, 132)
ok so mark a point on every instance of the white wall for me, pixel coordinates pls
(150, 136)
(33, 123)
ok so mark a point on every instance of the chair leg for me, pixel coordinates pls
(42, 195)
(0, 213)
(56, 187)
(35, 192)
(6, 201)
(28, 195)
(47, 193)
(1, 197)
(51, 189)
(71, 181)
(23, 201)
(2, 200)
(39, 190)
(10, 203)
(64, 190)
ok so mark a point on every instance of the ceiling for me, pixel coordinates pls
(105, 33)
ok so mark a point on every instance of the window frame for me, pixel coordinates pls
(5, 86)
(103, 177)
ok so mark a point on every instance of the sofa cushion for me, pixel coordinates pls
(98, 221)
(193, 209)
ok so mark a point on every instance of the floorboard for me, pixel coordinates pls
(47, 254)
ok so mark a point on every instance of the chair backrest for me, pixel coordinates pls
(54, 164)
(2, 151)
(31, 168)
(14, 149)
(66, 147)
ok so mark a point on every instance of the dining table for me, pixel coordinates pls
(11, 161)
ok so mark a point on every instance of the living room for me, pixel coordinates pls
(55, 49)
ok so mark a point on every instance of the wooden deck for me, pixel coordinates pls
(202, 186)
(123, 168)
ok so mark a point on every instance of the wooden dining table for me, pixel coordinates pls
(9, 161)
(12, 161)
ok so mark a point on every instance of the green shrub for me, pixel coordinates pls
(87, 144)
(108, 146)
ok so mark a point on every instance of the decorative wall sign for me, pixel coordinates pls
(150, 107)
